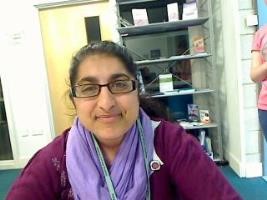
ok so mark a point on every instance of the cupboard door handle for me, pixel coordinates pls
(37, 134)
(25, 135)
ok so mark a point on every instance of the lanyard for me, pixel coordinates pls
(111, 189)
(142, 139)
(109, 183)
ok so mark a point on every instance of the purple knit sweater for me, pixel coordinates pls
(187, 173)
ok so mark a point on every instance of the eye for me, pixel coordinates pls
(88, 88)
(120, 84)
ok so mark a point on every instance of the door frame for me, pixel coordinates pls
(56, 4)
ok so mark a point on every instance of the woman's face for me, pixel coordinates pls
(109, 116)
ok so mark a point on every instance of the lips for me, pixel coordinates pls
(108, 118)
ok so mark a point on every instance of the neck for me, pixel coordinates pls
(109, 154)
(110, 150)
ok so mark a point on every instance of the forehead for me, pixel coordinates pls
(102, 67)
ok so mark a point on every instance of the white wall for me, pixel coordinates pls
(24, 81)
(252, 133)
(24, 77)
(242, 136)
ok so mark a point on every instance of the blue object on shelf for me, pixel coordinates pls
(178, 105)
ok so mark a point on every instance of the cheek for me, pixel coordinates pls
(132, 108)
(131, 103)
(84, 107)
(129, 106)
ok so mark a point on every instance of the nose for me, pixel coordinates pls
(106, 100)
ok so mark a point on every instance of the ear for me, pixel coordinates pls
(71, 98)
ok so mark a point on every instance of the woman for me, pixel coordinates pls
(113, 149)
(259, 73)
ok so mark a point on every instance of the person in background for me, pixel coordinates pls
(259, 73)
(118, 146)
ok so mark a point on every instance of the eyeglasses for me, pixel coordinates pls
(92, 90)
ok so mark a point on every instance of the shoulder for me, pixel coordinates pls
(52, 152)
(188, 167)
(260, 37)
(171, 140)
(170, 126)
(43, 173)
(50, 157)
(262, 30)
(57, 147)
(170, 132)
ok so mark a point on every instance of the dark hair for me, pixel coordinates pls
(150, 106)
(103, 47)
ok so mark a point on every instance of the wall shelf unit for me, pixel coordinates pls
(166, 47)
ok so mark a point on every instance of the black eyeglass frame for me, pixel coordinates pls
(134, 86)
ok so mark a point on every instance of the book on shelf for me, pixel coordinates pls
(201, 137)
(140, 17)
(205, 142)
(198, 44)
(207, 147)
(193, 112)
(173, 12)
(208, 144)
(204, 116)
(190, 10)
(165, 83)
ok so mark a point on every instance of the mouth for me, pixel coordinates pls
(108, 118)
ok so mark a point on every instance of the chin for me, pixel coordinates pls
(112, 133)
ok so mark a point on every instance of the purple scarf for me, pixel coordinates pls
(127, 171)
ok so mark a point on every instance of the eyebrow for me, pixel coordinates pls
(95, 80)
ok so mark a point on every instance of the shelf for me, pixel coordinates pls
(182, 92)
(173, 58)
(127, 2)
(210, 125)
(160, 27)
